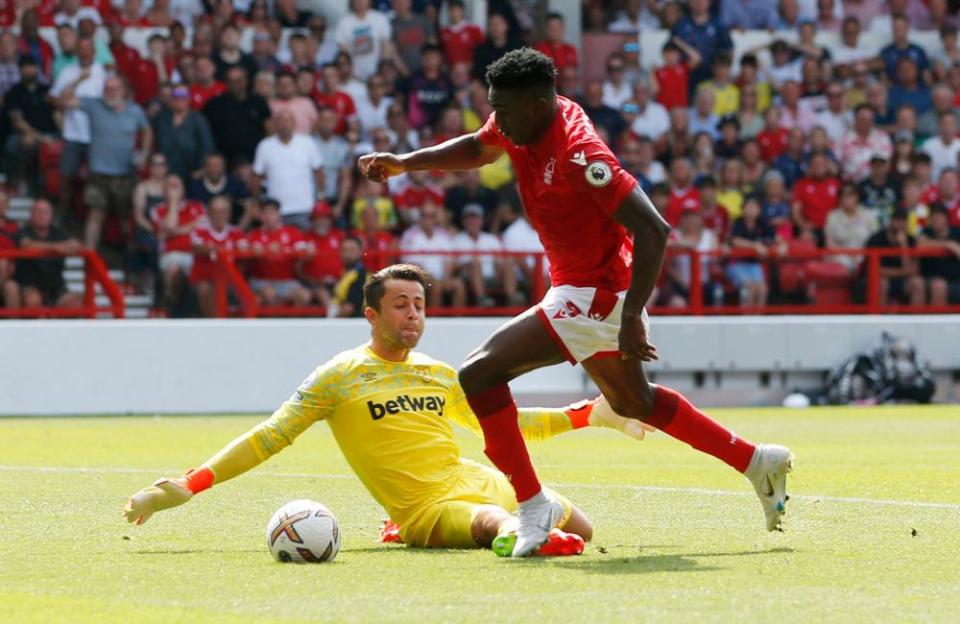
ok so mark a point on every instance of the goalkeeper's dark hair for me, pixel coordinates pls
(374, 287)
(521, 69)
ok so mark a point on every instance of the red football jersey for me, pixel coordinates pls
(416, 196)
(459, 42)
(285, 240)
(772, 143)
(204, 265)
(325, 263)
(571, 184)
(201, 94)
(563, 54)
(341, 103)
(673, 85)
(8, 235)
(817, 198)
(680, 201)
(191, 212)
(377, 249)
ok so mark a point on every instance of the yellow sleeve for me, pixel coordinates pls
(536, 423)
(312, 401)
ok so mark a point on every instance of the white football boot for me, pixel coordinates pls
(768, 473)
(537, 516)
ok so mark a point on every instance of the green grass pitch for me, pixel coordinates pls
(872, 530)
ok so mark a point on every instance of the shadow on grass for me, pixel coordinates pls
(598, 563)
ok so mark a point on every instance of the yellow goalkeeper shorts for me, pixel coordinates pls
(448, 522)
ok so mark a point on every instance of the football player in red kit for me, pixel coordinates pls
(605, 242)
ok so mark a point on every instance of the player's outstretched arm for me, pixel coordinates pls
(650, 233)
(458, 154)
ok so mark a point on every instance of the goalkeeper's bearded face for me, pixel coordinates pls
(400, 320)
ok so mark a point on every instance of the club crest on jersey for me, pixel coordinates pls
(598, 174)
(548, 172)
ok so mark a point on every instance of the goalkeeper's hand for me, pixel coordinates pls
(166, 493)
(600, 414)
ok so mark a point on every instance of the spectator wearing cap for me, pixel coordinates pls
(553, 45)
(290, 166)
(944, 148)
(860, 144)
(209, 241)
(366, 35)
(850, 225)
(705, 33)
(215, 181)
(183, 135)
(85, 79)
(901, 48)
(31, 124)
(40, 280)
(429, 235)
(835, 118)
(879, 192)
(814, 196)
(942, 274)
(303, 110)
(602, 116)
(174, 220)
(900, 279)
(751, 233)
(322, 268)
(484, 273)
(237, 118)
(115, 123)
(278, 249)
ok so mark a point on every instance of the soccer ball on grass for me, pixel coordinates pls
(303, 531)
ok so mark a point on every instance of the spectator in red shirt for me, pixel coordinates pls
(773, 139)
(417, 191)
(814, 196)
(174, 221)
(563, 54)
(683, 194)
(208, 241)
(205, 85)
(9, 289)
(278, 247)
(329, 95)
(379, 244)
(673, 77)
(323, 268)
(128, 59)
(461, 37)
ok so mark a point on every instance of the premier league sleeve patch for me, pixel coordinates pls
(598, 174)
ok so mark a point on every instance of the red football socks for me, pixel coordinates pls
(497, 414)
(676, 416)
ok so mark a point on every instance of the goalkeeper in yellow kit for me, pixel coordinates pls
(390, 411)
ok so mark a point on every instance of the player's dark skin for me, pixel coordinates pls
(522, 344)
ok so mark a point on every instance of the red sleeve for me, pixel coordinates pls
(490, 134)
(594, 173)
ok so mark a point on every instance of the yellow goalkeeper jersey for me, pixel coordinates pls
(392, 421)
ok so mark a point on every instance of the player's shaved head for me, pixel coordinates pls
(523, 94)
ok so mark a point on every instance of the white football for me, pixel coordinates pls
(303, 531)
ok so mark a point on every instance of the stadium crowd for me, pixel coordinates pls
(203, 145)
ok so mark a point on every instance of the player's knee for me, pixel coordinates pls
(474, 373)
(639, 405)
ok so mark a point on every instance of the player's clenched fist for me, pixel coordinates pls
(380, 165)
(166, 493)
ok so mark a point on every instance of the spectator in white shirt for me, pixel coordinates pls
(291, 166)
(860, 144)
(365, 35)
(519, 237)
(429, 235)
(372, 108)
(652, 119)
(850, 50)
(484, 273)
(616, 88)
(944, 148)
(835, 119)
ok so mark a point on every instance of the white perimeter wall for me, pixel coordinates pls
(96, 367)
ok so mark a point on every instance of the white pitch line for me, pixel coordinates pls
(602, 486)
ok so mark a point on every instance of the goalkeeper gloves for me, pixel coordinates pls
(598, 413)
(167, 493)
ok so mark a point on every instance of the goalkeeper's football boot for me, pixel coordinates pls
(558, 544)
(768, 473)
(536, 517)
(390, 532)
